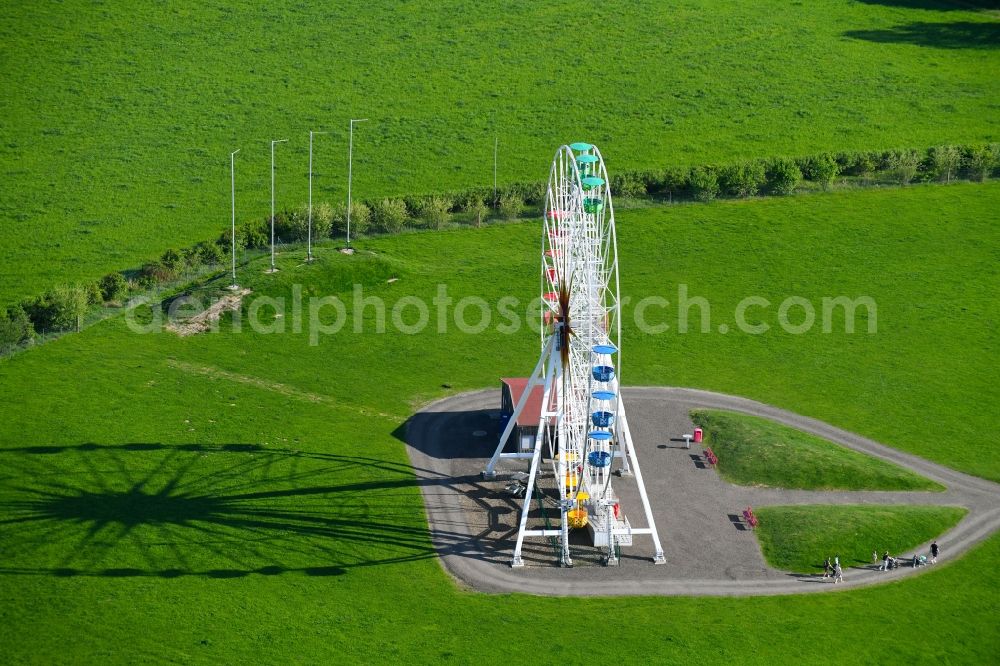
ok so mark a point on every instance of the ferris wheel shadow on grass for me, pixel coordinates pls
(229, 511)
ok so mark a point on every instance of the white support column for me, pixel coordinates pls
(516, 560)
(658, 556)
(533, 381)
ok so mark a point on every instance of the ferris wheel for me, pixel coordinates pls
(582, 427)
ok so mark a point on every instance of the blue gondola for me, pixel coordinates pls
(600, 435)
(599, 458)
(604, 373)
(602, 419)
(604, 395)
(605, 349)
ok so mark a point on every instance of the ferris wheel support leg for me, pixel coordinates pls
(535, 379)
(658, 555)
(516, 560)
(565, 560)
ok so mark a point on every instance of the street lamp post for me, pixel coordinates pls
(273, 269)
(309, 242)
(350, 164)
(232, 238)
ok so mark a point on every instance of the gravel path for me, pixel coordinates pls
(708, 549)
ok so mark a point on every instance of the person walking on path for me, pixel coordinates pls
(826, 568)
(934, 552)
(885, 561)
(838, 574)
(874, 557)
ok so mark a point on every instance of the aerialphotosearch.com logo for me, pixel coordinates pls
(358, 313)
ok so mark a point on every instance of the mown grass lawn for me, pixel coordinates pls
(754, 451)
(246, 497)
(799, 538)
(118, 118)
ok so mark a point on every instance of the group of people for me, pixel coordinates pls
(890, 562)
(834, 570)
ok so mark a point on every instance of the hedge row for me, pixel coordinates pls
(63, 307)
(776, 176)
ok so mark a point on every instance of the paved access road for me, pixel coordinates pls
(708, 550)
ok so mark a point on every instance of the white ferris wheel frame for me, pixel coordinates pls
(579, 275)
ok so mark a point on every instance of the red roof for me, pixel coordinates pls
(532, 411)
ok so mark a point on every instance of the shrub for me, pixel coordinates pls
(93, 291)
(904, 165)
(389, 215)
(676, 182)
(15, 327)
(209, 253)
(58, 309)
(322, 220)
(742, 180)
(704, 183)
(783, 176)
(254, 234)
(114, 287)
(192, 257)
(154, 273)
(510, 204)
(172, 259)
(292, 225)
(821, 169)
(534, 193)
(865, 165)
(628, 184)
(473, 204)
(436, 211)
(980, 161)
(225, 244)
(361, 218)
(945, 161)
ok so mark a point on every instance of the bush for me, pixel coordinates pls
(945, 161)
(389, 215)
(210, 253)
(154, 273)
(821, 169)
(58, 309)
(292, 225)
(783, 176)
(193, 259)
(742, 180)
(904, 165)
(173, 260)
(628, 184)
(225, 244)
(93, 291)
(254, 234)
(473, 204)
(361, 218)
(15, 327)
(704, 183)
(676, 182)
(323, 220)
(980, 161)
(114, 288)
(865, 165)
(436, 211)
(510, 204)
(534, 193)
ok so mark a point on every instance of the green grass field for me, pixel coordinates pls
(757, 452)
(118, 119)
(798, 538)
(246, 497)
